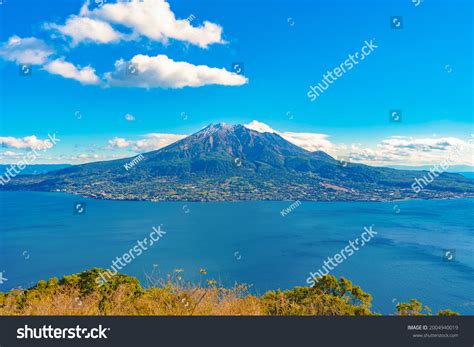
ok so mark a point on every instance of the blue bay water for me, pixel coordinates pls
(249, 242)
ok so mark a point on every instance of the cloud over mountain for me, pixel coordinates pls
(309, 141)
(150, 142)
(394, 150)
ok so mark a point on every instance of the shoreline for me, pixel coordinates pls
(86, 196)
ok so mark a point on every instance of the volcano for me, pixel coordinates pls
(232, 162)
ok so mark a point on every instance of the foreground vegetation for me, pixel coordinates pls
(80, 294)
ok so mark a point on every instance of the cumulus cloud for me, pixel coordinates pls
(152, 19)
(128, 20)
(150, 142)
(28, 50)
(118, 142)
(65, 69)
(34, 51)
(313, 142)
(395, 150)
(81, 29)
(163, 72)
(401, 150)
(260, 127)
(309, 141)
(89, 156)
(27, 142)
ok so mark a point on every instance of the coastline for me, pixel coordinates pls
(95, 197)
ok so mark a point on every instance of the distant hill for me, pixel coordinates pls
(452, 168)
(232, 162)
(35, 169)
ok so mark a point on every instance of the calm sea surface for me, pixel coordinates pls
(249, 242)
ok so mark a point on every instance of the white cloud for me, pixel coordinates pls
(28, 50)
(395, 150)
(309, 141)
(10, 154)
(118, 142)
(27, 142)
(150, 142)
(163, 72)
(400, 150)
(153, 19)
(313, 142)
(129, 117)
(65, 69)
(81, 29)
(89, 157)
(260, 127)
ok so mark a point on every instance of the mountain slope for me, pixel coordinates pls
(232, 162)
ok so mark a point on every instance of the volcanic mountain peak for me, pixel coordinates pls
(235, 162)
(213, 127)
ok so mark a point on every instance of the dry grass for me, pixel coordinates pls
(80, 294)
(171, 297)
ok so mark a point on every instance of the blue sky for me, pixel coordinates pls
(424, 69)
